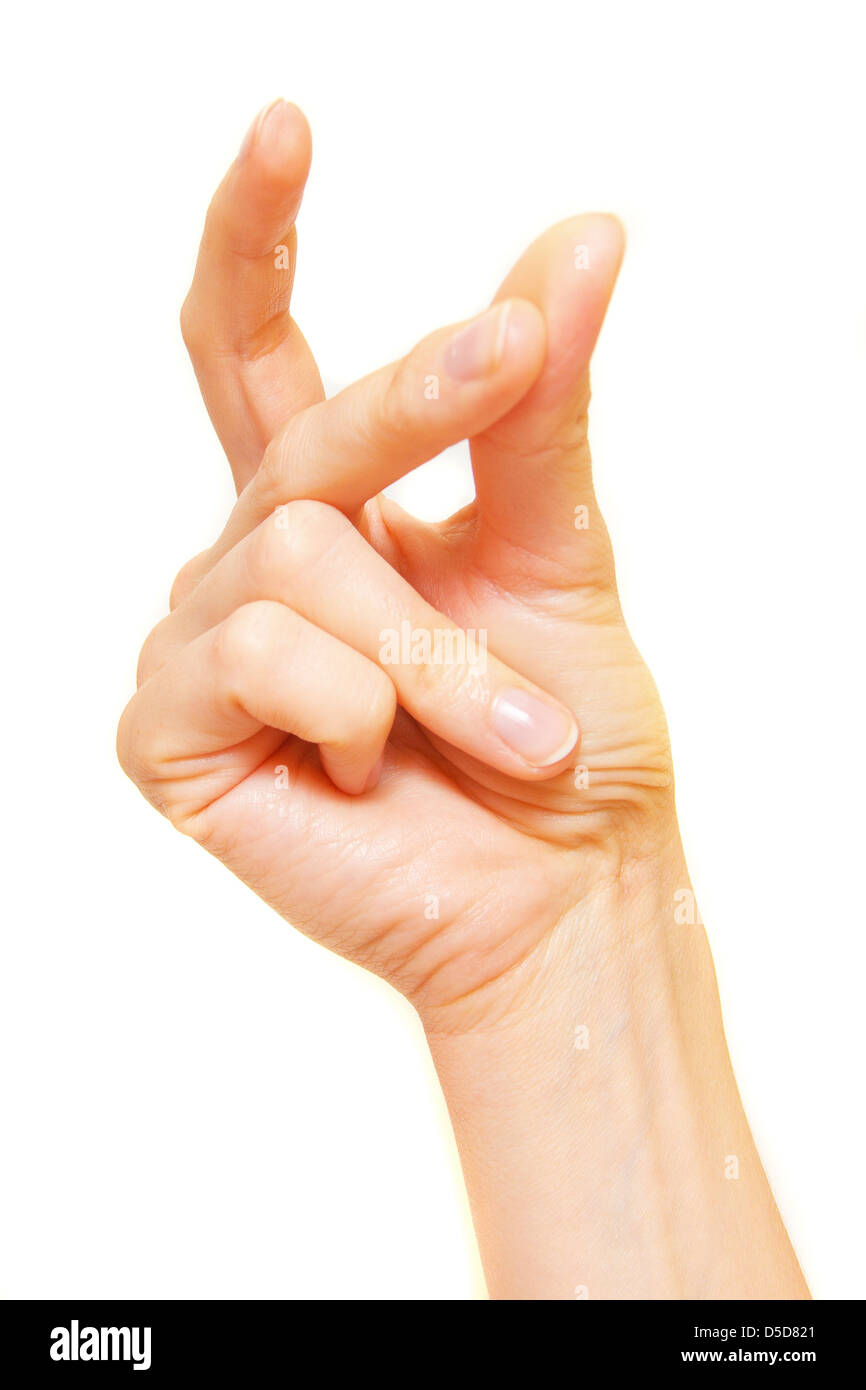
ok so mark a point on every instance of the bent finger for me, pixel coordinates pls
(345, 450)
(311, 558)
(210, 716)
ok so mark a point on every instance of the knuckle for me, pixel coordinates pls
(267, 483)
(150, 656)
(186, 580)
(318, 522)
(141, 765)
(397, 409)
(447, 680)
(371, 712)
(190, 328)
(181, 585)
(273, 480)
(266, 554)
(243, 638)
(381, 703)
(137, 758)
(298, 533)
(127, 744)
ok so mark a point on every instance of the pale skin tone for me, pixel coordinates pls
(500, 844)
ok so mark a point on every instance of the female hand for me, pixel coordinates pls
(516, 879)
(480, 836)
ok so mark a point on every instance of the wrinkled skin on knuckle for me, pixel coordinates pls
(399, 408)
(447, 684)
(142, 768)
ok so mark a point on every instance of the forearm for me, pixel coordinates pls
(605, 1148)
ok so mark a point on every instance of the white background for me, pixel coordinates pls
(195, 1100)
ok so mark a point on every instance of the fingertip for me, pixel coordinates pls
(285, 143)
(257, 203)
(508, 337)
(569, 274)
(348, 776)
(375, 774)
(604, 231)
(279, 142)
(541, 731)
(591, 243)
(617, 228)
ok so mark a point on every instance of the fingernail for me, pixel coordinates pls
(477, 349)
(539, 732)
(257, 127)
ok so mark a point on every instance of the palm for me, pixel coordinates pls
(451, 872)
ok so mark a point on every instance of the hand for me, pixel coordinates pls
(452, 874)
(516, 884)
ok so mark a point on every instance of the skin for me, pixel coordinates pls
(528, 912)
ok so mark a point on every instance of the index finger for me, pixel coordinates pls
(345, 450)
(253, 364)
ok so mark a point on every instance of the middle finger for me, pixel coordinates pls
(312, 559)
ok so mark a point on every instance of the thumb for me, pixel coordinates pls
(532, 468)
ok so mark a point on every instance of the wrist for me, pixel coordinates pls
(621, 924)
(601, 1133)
